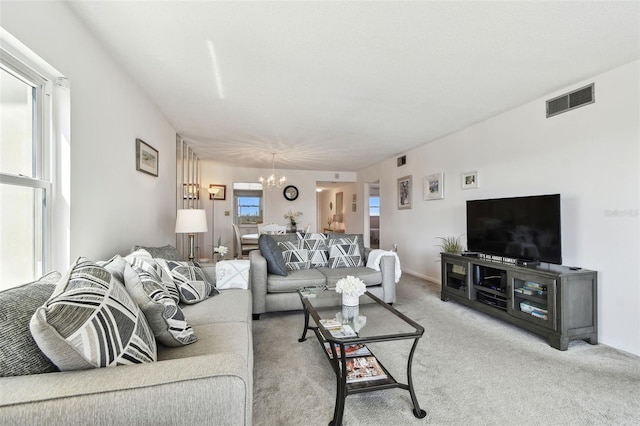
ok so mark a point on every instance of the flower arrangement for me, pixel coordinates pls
(220, 249)
(351, 286)
(292, 216)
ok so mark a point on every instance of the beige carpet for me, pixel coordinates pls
(469, 369)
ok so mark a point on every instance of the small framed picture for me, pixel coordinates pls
(146, 158)
(220, 195)
(470, 180)
(354, 198)
(434, 186)
(354, 207)
(404, 192)
(191, 191)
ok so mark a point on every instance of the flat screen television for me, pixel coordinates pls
(526, 228)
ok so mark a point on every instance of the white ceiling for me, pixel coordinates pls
(344, 85)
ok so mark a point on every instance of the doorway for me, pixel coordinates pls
(374, 215)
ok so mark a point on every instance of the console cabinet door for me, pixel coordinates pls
(455, 277)
(533, 298)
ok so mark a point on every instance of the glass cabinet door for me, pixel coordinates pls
(533, 297)
(456, 276)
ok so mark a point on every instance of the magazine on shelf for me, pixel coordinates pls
(356, 349)
(360, 369)
(342, 332)
(337, 329)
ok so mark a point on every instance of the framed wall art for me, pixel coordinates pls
(221, 194)
(470, 180)
(146, 158)
(434, 186)
(404, 192)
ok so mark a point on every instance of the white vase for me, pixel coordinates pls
(350, 300)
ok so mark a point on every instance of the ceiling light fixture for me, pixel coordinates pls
(272, 182)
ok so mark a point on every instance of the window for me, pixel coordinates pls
(25, 184)
(248, 203)
(374, 205)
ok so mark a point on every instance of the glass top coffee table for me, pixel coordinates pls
(343, 333)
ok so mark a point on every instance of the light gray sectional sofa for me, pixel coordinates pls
(274, 292)
(206, 382)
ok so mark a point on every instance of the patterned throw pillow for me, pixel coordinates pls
(344, 253)
(190, 281)
(91, 321)
(295, 257)
(19, 353)
(316, 243)
(232, 274)
(141, 259)
(165, 317)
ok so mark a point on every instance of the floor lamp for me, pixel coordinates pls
(191, 221)
(213, 191)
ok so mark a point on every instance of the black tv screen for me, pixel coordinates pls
(525, 228)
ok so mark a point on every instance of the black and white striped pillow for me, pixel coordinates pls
(91, 321)
(190, 281)
(165, 317)
(344, 253)
(295, 257)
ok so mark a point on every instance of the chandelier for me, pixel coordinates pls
(272, 182)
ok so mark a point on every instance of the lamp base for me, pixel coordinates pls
(191, 247)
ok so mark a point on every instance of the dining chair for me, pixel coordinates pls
(272, 228)
(243, 244)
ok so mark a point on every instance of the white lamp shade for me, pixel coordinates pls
(191, 221)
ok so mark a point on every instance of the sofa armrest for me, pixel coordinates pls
(258, 274)
(134, 394)
(209, 272)
(388, 269)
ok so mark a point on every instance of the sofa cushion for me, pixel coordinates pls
(19, 353)
(316, 243)
(190, 281)
(165, 317)
(295, 257)
(216, 338)
(91, 321)
(273, 255)
(168, 252)
(369, 277)
(295, 280)
(229, 306)
(142, 260)
(344, 253)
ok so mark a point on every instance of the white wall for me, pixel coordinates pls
(590, 156)
(113, 206)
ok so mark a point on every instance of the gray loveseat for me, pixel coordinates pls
(274, 293)
(206, 382)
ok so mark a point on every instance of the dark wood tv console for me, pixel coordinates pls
(554, 301)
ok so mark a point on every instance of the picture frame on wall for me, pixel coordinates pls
(354, 207)
(221, 195)
(404, 192)
(191, 191)
(434, 186)
(146, 158)
(470, 180)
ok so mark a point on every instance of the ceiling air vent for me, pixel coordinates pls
(572, 100)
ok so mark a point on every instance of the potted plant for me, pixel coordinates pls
(451, 244)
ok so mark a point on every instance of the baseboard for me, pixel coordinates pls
(423, 276)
